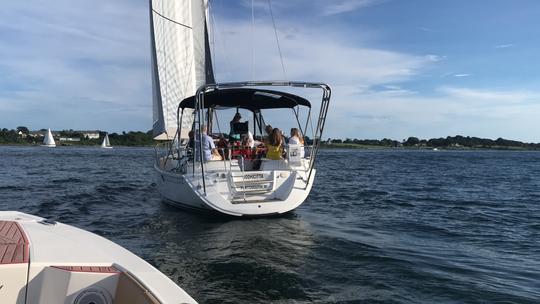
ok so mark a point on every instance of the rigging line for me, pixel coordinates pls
(252, 43)
(277, 39)
(176, 22)
(217, 121)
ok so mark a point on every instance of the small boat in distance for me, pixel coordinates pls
(49, 262)
(106, 144)
(48, 141)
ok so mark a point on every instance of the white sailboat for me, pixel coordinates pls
(45, 262)
(106, 144)
(48, 141)
(186, 97)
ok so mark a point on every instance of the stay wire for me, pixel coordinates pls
(252, 41)
(277, 39)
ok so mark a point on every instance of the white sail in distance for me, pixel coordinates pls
(48, 141)
(181, 60)
(106, 143)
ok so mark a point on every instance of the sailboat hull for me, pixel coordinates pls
(175, 191)
(186, 191)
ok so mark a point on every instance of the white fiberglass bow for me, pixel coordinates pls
(45, 262)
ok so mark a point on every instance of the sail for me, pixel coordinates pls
(49, 140)
(181, 60)
(105, 143)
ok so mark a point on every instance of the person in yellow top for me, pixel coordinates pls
(275, 145)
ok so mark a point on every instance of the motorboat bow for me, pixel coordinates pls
(44, 262)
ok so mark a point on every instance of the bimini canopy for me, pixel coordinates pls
(247, 98)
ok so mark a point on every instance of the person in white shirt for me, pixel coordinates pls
(248, 140)
(297, 139)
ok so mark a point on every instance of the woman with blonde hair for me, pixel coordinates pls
(275, 145)
(297, 139)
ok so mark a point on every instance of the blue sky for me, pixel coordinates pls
(397, 68)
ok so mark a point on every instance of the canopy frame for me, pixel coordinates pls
(199, 102)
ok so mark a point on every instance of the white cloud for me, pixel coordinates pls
(354, 72)
(83, 65)
(491, 96)
(453, 110)
(504, 46)
(87, 66)
(306, 58)
(435, 58)
(344, 6)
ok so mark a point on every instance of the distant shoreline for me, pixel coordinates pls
(424, 148)
(73, 146)
(23, 137)
(322, 147)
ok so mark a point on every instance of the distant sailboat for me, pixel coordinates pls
(106, 144)
(48, 141)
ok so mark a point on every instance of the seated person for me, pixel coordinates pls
(275, 145)
(222, 142)
(268, 129)
(209, 149)
(223, 146)
(191, 141)
(297, 139)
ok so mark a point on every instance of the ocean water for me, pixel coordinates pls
(379, 226)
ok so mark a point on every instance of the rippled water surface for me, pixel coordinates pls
(378, 227)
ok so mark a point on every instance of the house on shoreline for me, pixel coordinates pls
(67, 135)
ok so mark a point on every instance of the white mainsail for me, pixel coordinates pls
(48, 141)
(181, 60)
(106, 143)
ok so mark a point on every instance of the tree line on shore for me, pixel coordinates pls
(457, 141)
(20, 135)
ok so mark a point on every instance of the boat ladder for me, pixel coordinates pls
(246, 184)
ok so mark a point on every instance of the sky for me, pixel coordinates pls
(396, 68)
